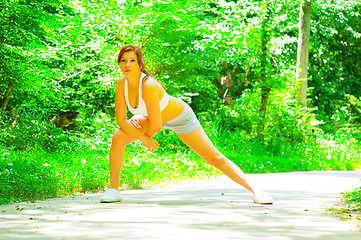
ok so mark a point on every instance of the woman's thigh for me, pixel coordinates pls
(200, 143)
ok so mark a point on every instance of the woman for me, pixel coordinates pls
(154, 109)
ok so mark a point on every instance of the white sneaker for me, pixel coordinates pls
(262, 197)
(110, 195)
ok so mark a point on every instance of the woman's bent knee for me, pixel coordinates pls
(121, 138)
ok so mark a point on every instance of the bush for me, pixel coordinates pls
(30, 131)
(38, 173)
(353, 197)
(59, 163)
(24, 177)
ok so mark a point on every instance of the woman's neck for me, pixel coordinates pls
(133, 80)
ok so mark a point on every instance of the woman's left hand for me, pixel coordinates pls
(150, 143)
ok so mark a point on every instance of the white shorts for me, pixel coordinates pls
(186, 122)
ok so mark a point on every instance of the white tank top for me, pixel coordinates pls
(141, 109)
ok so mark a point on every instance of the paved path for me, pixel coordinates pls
(213, 209)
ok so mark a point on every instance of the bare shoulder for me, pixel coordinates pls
(151, 89)
(150, 84)
(120, 82)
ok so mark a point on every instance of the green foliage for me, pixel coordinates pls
(143, 169)
(350, 207)
(27, 131)
(334, 56)
(83, 167)
(354, 197)
(37, 181)
(64, 52)
(24, 27)
(59, 55)
(323, 152)
(353, 108)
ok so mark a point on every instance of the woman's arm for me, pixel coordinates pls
(151, 99)
(124, 124)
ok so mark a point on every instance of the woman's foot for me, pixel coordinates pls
(262, 197)
(110, 195)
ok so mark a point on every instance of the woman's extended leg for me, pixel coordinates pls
(199, 142)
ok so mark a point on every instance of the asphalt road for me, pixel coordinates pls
(212, 209)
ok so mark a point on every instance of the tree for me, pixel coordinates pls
(334, 67)
(24, 26)
(302, 51)
(266, 85)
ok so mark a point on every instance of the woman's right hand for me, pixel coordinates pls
(136, 123)
(150, 143)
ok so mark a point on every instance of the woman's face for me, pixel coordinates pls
(129, 64)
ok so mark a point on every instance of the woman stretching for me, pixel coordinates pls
(153, 109)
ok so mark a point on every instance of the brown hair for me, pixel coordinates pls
(140, 60)
(138, 52)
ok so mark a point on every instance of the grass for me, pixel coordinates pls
(80, 164)
(349, 208)
(322, 152)
(41, 174)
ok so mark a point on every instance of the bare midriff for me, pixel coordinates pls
(173, 109)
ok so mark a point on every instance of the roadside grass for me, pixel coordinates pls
(349, 208)
(322, 152)
(81, 165)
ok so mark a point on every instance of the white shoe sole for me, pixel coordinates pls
(110, 200)
(264, 203)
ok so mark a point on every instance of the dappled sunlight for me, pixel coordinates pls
(214, 209)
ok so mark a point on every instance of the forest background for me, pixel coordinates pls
(58, 73)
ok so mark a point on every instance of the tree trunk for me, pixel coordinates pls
(265, 90)
(302, 51)
(6, 96)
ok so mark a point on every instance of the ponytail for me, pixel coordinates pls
(147, 75)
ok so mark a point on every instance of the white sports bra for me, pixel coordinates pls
(141, 109)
